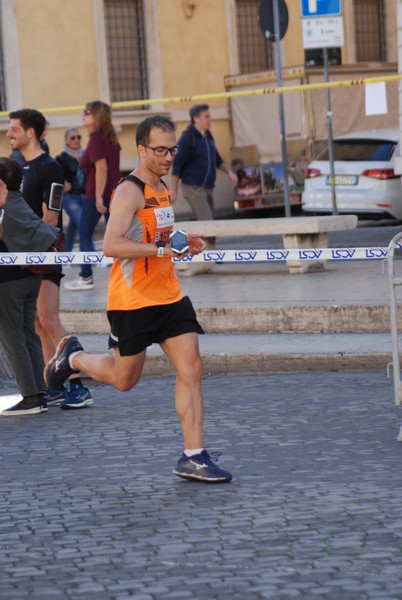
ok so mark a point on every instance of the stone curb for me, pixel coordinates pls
(245, 363)
(267, 319)
(236, 364)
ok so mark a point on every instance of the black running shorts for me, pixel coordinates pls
(133, 330)
(55, 276)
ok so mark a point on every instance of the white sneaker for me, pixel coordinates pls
(80, 283)
(104, 265)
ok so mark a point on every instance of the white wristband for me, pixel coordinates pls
(1, 215)
(161, 252)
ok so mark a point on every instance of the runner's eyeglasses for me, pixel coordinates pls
(162, 151)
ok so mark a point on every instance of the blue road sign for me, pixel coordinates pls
(320, 8)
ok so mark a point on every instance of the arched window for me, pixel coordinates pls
(125, 48)
(255, 53)
(369, 19)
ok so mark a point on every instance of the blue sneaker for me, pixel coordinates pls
(78, 397)
(58, 368)
(29, 405)
(201, 467)
(53, 398)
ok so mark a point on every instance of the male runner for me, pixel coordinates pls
(145, 301)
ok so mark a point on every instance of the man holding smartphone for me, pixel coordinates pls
(40, 171)
(145, 302)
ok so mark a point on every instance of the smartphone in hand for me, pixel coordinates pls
(179, 242)
(56, 196)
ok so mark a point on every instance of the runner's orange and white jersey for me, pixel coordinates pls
(151, 281)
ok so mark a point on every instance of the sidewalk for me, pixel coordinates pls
(259, 318)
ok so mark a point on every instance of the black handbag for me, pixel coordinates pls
(57, 246)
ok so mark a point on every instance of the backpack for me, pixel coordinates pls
(192, 146)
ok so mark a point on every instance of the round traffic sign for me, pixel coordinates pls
(266, 18)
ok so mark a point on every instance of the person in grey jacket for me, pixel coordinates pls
(21, 230)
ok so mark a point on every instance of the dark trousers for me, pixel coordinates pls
(18, 337)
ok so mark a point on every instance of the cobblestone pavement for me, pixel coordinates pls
(89, 508)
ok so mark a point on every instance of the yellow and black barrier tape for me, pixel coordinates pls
(226, 95)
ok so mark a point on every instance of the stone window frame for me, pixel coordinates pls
(154, 67)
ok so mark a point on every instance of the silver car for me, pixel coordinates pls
(365, 182)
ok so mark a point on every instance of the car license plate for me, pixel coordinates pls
(343, 180)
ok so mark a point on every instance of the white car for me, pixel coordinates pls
(365, 181)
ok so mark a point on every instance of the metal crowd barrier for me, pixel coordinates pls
(394, 282)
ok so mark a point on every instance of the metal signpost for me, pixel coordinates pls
(322, 24)
(273, 18)
(282, 132)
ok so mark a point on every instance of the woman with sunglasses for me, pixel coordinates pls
(101, 165)
(74, 185)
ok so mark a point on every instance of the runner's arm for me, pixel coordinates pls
(100, 184)
(127, 201)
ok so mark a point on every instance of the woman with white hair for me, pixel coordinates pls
(74, 185)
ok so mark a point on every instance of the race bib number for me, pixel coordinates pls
(164, 217)
(164, 223)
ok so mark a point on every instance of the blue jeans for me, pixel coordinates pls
(72, 204)
(89, 219)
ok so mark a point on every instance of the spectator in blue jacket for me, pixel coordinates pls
(196, 162)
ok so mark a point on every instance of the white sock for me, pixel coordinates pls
(70, 358)
(193, 452)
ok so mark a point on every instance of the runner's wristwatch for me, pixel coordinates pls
(161, 248)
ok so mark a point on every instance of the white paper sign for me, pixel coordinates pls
(376, 98)
(322, 32)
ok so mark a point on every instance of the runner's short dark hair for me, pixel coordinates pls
(157, 121)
